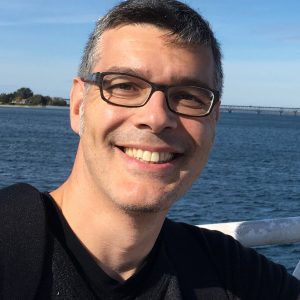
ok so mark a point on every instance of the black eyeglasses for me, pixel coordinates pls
(126, 90)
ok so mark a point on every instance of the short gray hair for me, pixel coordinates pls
(185, 24)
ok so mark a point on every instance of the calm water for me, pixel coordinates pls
(253, 172)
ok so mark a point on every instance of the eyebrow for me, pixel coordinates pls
(185, 80)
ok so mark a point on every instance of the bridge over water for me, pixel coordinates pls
(261, 109)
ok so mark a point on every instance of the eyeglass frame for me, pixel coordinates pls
(97, 79)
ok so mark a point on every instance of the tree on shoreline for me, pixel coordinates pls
(25, 96)
(23, 93)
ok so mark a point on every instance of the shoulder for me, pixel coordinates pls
(211, 245)
(21, 211)
(201, 245)
(19, 200)
(18, 189)
(218, 247)
(22, 240)
(239, 269)
(195, 234)
(21, 208)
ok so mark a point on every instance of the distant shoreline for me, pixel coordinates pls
(261, 110)
(33, 106)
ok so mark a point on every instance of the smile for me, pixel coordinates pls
(148, 156)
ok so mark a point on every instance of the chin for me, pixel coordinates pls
(138, 210)
(148, 207)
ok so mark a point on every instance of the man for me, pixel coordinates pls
(145, 104)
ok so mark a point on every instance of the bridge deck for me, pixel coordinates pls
(261, 109)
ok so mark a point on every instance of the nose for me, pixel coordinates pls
(155, 114)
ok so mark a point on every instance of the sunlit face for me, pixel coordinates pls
(142, 159)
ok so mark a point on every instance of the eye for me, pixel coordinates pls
(124, 86)
(116, 85)
(185, 96)
(121, 88)
(187, 99)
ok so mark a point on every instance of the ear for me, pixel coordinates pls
(76, 97)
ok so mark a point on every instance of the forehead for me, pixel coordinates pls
(153, 53)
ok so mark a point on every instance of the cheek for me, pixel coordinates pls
(203, 138)
(201, 132)
(103, 118)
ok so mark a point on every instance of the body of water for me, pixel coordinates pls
(253, 172)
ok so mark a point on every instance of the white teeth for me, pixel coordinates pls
(139, 154)
(147, 156)
(133, 152)
(155, 157)
(130, 152)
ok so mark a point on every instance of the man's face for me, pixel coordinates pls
(117, 143)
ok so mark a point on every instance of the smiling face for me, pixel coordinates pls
(142, 159)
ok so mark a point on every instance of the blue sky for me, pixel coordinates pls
(42, 42)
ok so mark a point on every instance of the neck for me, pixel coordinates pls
(118, 241)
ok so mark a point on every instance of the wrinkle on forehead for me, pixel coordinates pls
(153, 54)
(170, 38)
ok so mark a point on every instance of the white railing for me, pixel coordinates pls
(263, 232)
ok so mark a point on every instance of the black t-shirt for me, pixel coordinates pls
(185, 263)
(152, 281)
